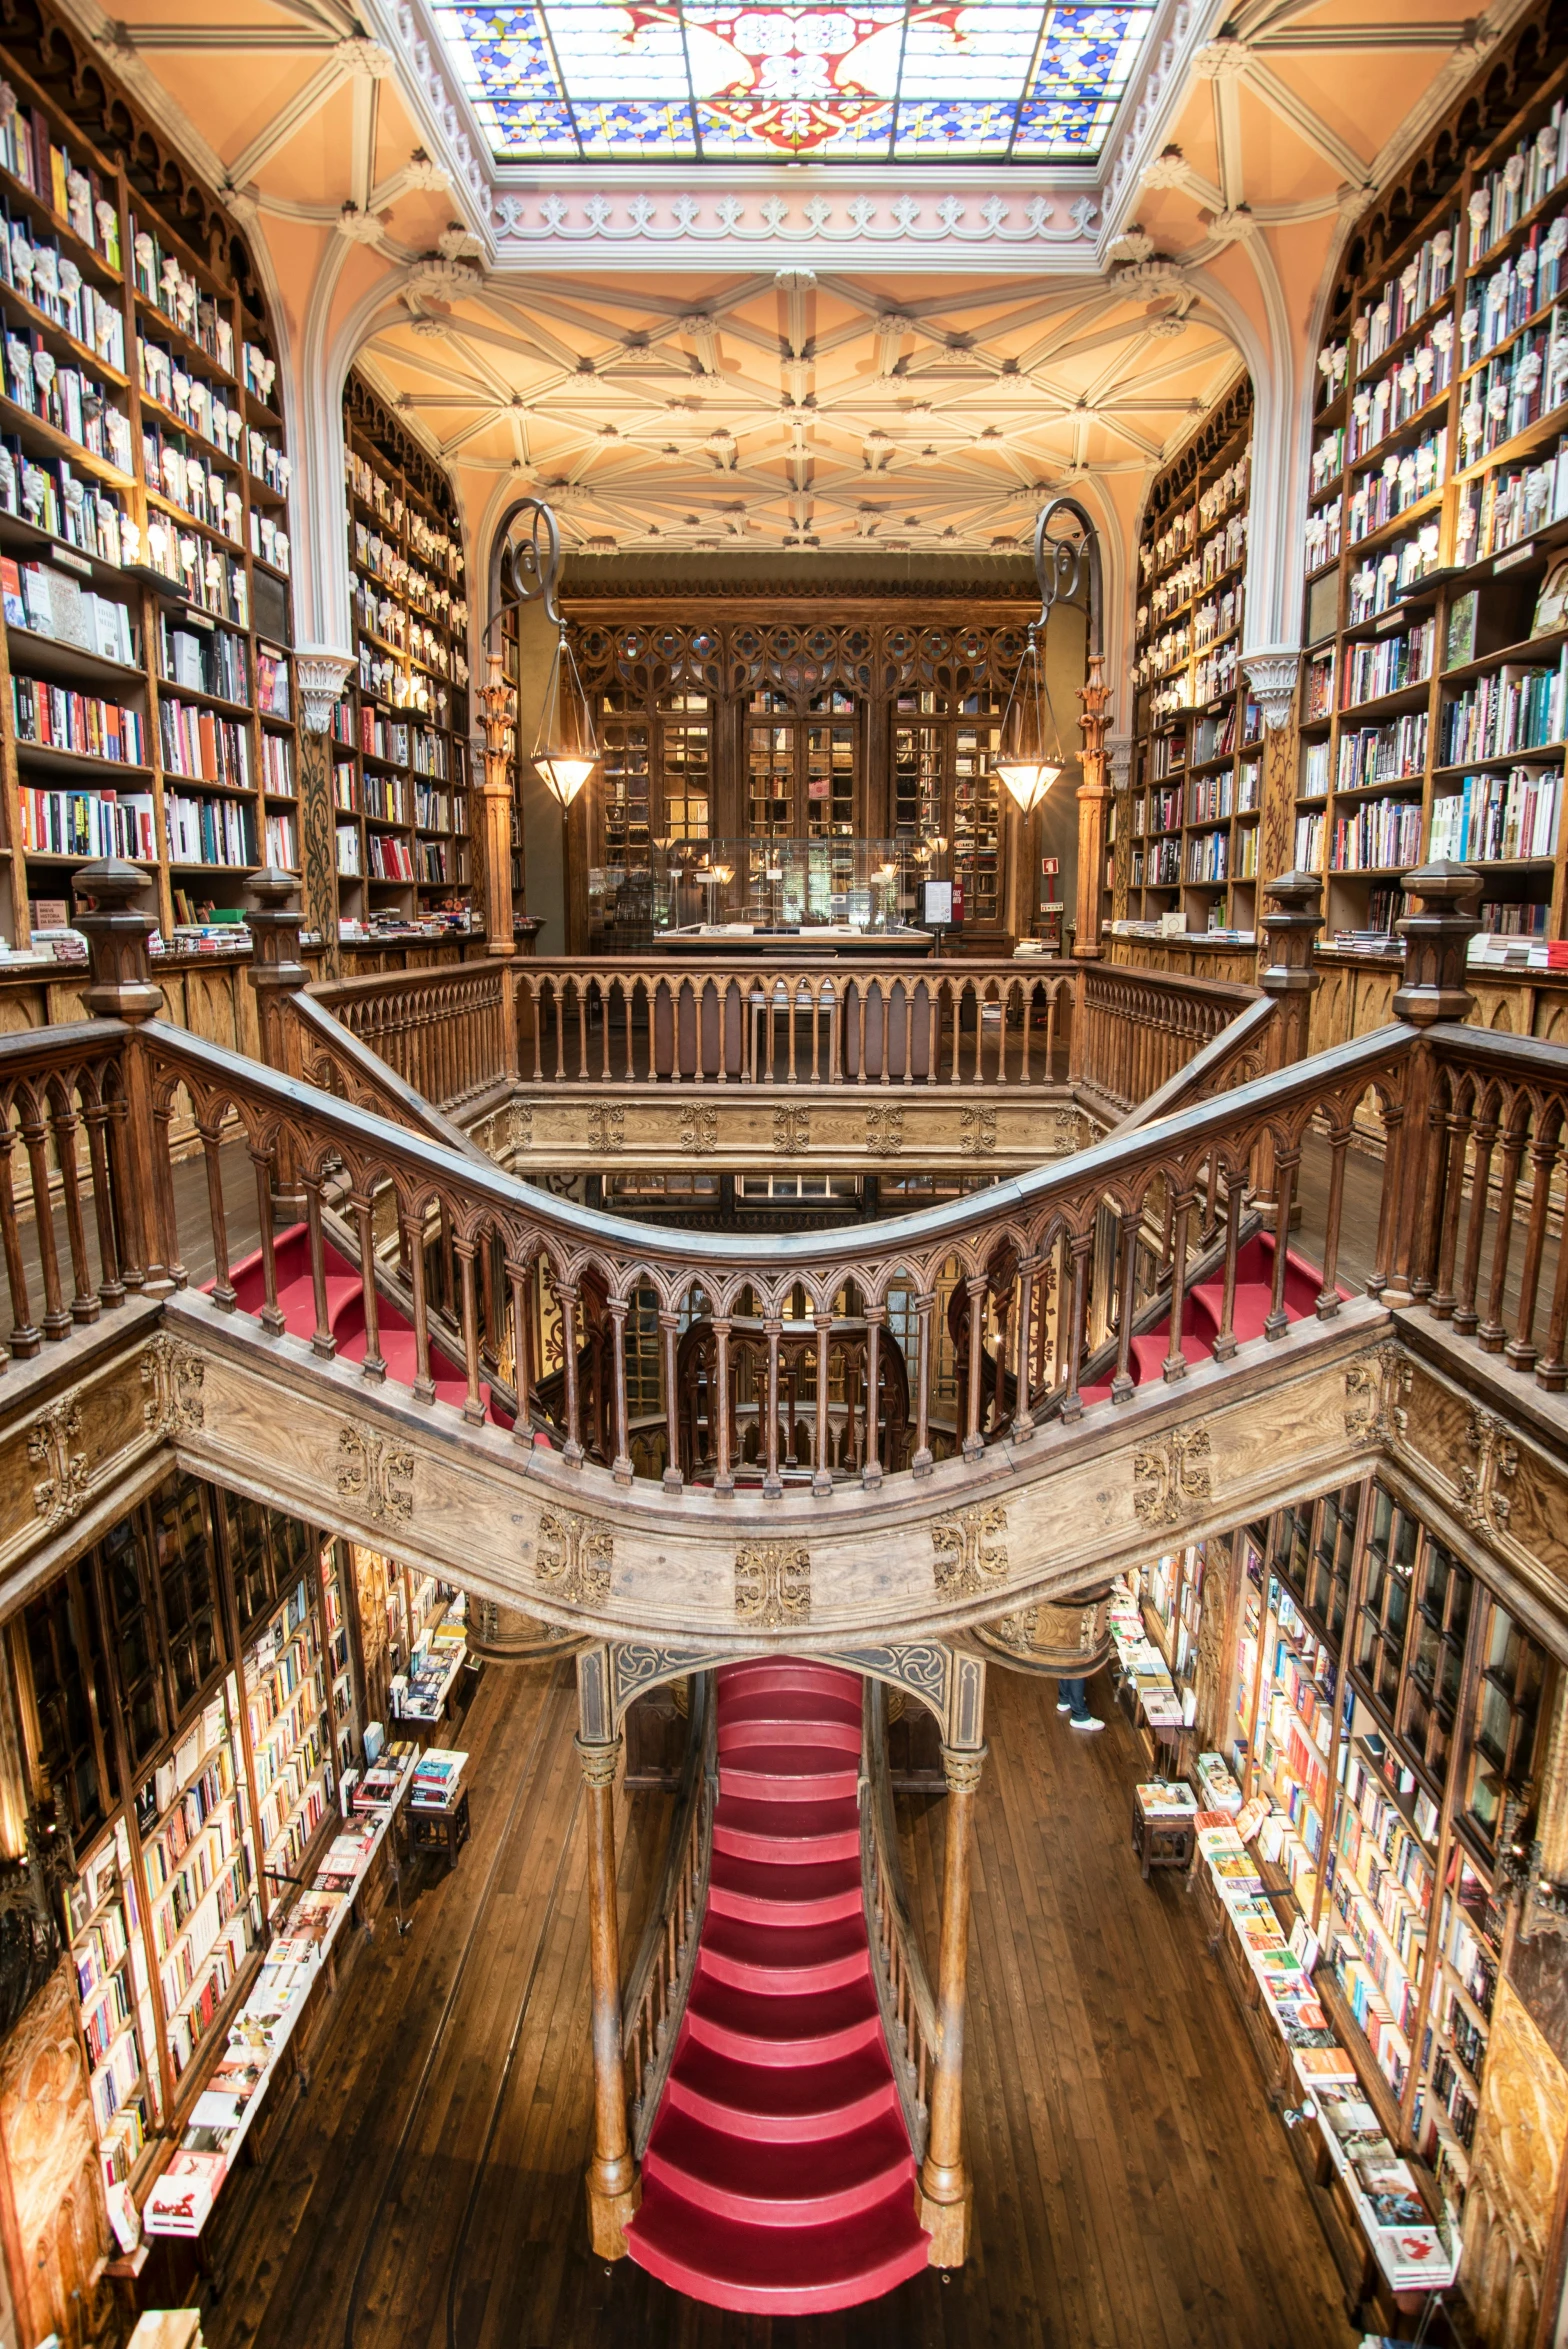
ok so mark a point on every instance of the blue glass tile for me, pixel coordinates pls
(627, 129)
(959, 126)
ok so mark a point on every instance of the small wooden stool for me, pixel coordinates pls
(1161, 1840)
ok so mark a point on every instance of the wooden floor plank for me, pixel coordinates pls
(1131, 2183)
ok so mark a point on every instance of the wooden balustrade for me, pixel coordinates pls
(447, 1033)
(1136, 1030)
(1468, 1227)
(654, 1998)
(909, 2009)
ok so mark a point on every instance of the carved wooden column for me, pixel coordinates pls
(319, 678)
(1093, 803)
(1118, 773)
(614, 2188)
(493, 834)
(1271, 677)
(945, 2194)
(1437, 938)
(121, 987)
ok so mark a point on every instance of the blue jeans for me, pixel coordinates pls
(1074, 1693)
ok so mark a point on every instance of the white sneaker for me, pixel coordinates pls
(1064, 1706)
(1088, 1722)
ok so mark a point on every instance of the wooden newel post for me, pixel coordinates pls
(1290, 977)
(1093, 801)
(944, 2196)
(495, 802)
(1437, 941)
(614, 2188)
(121, 987)
(276, 971)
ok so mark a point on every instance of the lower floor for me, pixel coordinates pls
(1132, 2183)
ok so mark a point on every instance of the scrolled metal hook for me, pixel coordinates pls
(525, 561)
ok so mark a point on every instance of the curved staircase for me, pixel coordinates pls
(778, 2178)
(1204, 1312)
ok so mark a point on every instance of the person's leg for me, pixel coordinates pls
(1082, 1718)
(1069, 1696)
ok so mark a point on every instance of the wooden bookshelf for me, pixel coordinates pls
(400, 741)
(147, 704)
(1433, 695)
(1197, 763)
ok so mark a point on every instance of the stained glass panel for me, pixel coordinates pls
(720, 78)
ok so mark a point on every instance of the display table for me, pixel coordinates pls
(821, 942)
(440, 1829)
(1163, 1822)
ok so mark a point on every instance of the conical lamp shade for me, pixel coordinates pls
(1022, 762)
(566, 750)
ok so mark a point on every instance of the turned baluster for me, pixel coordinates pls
(1285, 1165)
(223, 1294)
(871, 1465)
(56, 1319)
(518, 1282)
(1023, 1418)
(1442, 1300)
(111, 1288)
(1122, 1385)
(566, 1296)
(580, 991)
(669, 1328)
(65, 1123)
(974, 1442)
(1174, 1366)
(473, 1401)
(723, 1479)
(925, 1305)
(1492, 1333)
(621, 1467)
(1072, 1401)
(26, 1338)
(1465, 1315)
(860, 1031)
(322, 1344)
(1521, 1350)
(373, 1368)
(772, 1482)
(821, 1472)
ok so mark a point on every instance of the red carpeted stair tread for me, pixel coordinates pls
(789, 1833)
(782, 2185)
(787, 2107)
(810, 1893)
(767, 1716)
(785, 1957)
(808, 2027)
(789, 1773)
(777, 2270)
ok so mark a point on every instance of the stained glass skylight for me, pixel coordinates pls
(566, 80)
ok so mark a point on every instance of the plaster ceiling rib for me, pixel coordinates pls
(289, 120)
(210, 38)
(362, 138)
(536, 343)
(1305, 122)
(455, 387)
(453, 441)
(1227, 138)
(1046, 346)
(1307, 40)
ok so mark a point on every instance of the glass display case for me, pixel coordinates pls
(866, 888)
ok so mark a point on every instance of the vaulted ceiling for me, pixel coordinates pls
(800, 407)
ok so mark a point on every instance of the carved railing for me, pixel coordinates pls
(1135, 1030)
(1468, 1220)
(796, 1020)
(447, 1033)
(654, 1999)
(910, 2023)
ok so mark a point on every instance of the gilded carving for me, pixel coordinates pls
(375, 1473)
(699, 1130)
(1373, 1384)
(1052, 1635)
(1483, 1505)
(976, 1131)
(772, 1584)
(607, 1128)
(885, 1131)
(61, 1494)
(791, 1130)
(574, 1557)
(1171, 1480)
(175, 1374)
(1516, 2162)
(968, 1551)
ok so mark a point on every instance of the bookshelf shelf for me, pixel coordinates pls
(173, 518)
(1477, 551)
